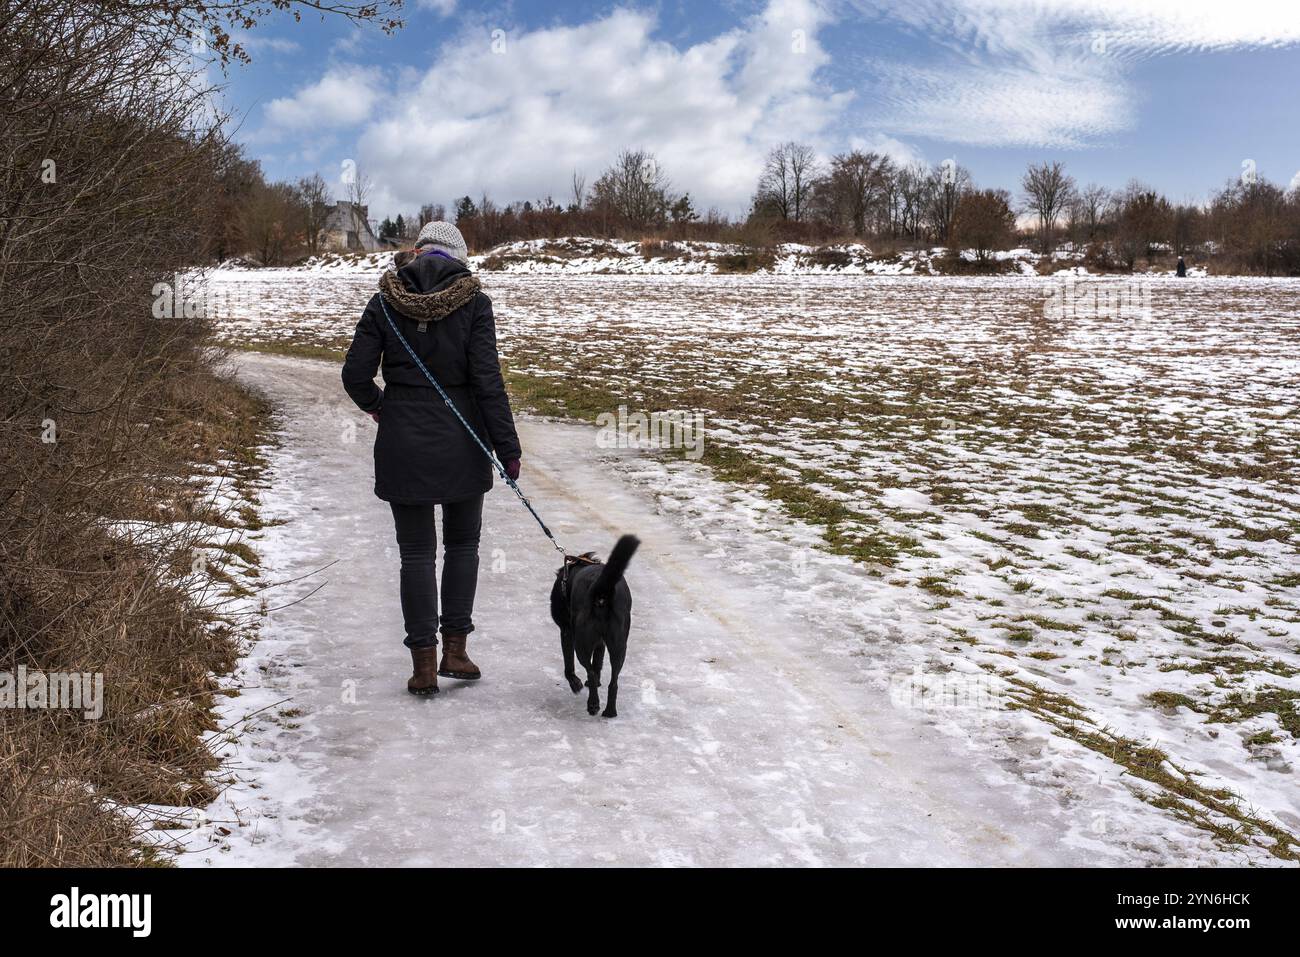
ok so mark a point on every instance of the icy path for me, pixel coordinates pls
(738, 741)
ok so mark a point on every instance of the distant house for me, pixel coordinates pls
(347, 229)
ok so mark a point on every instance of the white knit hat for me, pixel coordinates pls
(443, 237)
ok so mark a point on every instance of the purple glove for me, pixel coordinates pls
(512, 469)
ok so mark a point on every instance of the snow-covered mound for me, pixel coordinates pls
(592, 256)
(689, 257)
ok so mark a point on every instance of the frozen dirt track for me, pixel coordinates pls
(738, 741)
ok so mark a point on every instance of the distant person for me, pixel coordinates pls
(1182, 267)
(423, 454)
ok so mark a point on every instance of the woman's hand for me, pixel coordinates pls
(512, 470)
(375, 416)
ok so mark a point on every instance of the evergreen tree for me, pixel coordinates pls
(683, 211)
(465, 209)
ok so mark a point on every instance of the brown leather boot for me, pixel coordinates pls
(425, 679)
(455, 663)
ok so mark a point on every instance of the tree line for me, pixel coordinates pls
(1249, 225)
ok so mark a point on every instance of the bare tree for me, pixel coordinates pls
(430, 213)
(1144, 219)
(275, 218)
(358, 192)
(804, 170)
(182, 24)
(787, 181)
(1260, 222)
(315, 195)
(855, 184)
(578, 186)
(1188, 227)
(912, 184)
(893, 202)
(635, 188)
(944, 187)
(237, 178)
(1048, 191)
(1093, 202)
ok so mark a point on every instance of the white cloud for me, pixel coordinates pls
(256, 43)
(519, 121)
(1151, 27)
(903, 154)
(1295, 183)
(1146, 28)
(444, 8)
(350, 44)
(344, 96)
(1039, 73)
(1000, 105)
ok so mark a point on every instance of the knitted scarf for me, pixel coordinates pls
(428, 306)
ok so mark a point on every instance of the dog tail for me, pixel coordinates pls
(612, 571)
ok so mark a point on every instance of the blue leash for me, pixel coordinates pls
(496, 463)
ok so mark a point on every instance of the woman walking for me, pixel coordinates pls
(423, 455)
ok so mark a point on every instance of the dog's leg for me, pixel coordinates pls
(593, 679)
(611, 696)
(566, 645)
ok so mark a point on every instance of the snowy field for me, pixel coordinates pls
(1085, 523)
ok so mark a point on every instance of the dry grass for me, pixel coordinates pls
(96, 602)
(112, 423)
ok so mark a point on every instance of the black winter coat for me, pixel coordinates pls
(423, 455)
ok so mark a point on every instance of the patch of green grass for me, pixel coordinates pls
(1261, 739)
(1265, 534)
(1050, 624)
(1171, 700)
(938, 585)
(1280, 702)
(1023, 529)
(298, 350)
(1039, 514)
(1216, 810)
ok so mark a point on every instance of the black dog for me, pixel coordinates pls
(593, 607)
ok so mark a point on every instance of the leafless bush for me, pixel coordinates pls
(108, 161)
(983, 222)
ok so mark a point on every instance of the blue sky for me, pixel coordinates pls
(512, 97)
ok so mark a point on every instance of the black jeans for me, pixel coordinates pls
(417, 542)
